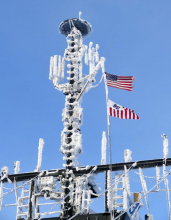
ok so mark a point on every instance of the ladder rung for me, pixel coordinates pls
(22, 206)
(118, 197)
(118, 189)
(26, 191)
(26, 197)
(118, 176)
(119, 182)
(24, 213)
(119, 204)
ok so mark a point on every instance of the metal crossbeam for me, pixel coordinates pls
(100, 168)
(96, 216)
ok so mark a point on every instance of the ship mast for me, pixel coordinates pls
(71, 144)
(72, 113)
(73, 187)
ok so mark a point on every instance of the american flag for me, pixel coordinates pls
(119, 111)
(119, 82)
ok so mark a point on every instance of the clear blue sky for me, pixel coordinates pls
(134, 37)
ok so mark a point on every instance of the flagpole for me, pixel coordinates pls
(109, 146)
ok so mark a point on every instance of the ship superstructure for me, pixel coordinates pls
(73, 189)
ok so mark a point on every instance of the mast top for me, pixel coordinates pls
(83, 26)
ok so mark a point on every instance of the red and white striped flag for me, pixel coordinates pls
(120, 82)
(119, 111)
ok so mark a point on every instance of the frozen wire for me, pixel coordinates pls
(20, 186)
(150, 177)
(140, 181)
(99, 82)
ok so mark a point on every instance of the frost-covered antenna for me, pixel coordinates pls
(127, 155)
(165, 147)
(40, 151)
(71, 139)
(16, 167)
(80, 13)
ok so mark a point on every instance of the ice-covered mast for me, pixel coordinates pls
(71, 141)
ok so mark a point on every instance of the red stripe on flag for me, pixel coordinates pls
(129, 114)
(119, 83)
(125, 113)
(133, 115)
(122, 114)
(128, 88)
(114, 112)
(110, 111)
(117, 114)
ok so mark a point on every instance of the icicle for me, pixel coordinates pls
(51, 69)
(63, 68)
(86, 55)
(127, 155)
(40, 150)
(97, 54)
(90, 50)
(158, 177)
(55, 68)
(165, 147)
(166, 183)
(103, 148)
(16, 167)
(59, 66)
(80, 13)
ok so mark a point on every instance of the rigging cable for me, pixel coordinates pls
(99, 82)
(15, 188)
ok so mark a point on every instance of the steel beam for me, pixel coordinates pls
(100, 168)
(96, 216)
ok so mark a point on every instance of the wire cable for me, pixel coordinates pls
(20, 186)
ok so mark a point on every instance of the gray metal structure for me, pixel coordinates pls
(74, 187)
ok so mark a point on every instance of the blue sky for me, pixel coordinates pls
(134, 37)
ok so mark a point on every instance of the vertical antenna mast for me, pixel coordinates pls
(71, 145)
